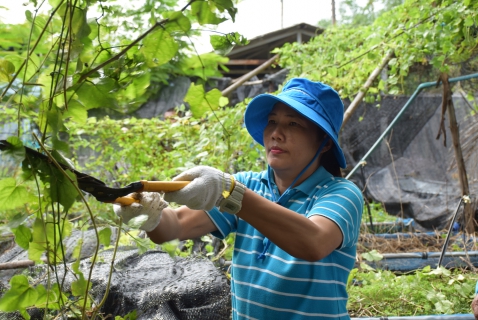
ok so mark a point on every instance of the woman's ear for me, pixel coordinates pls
(328, 145)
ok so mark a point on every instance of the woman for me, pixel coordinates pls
(296, 224)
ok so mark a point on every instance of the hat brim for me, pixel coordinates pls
(258, 110)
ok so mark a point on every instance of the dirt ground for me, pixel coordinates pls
(414, 242)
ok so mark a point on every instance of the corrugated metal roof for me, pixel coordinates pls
(246, 58)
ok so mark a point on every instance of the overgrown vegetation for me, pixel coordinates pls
(54, 68)
(380, 293)
(57, 67)
(426, 37)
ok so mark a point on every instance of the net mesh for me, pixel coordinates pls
(411, 172)
(154, 284)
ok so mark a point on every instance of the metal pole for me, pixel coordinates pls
(282, 14)
(450, 229)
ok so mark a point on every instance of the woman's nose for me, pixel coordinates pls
(277, 132)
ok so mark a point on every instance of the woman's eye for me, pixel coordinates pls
(293, 124)
(271, 121)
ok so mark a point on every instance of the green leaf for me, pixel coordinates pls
(469, 21)
(54, 3)
(158, 48)
(223, 101)
(55, 120)
(129, 316)
(227, 5)
(17, 220)
(12, 195)
(373, 255)
(44, 237)
(62, 190)
(105, 236)
(97, 95)
(17, 151)
(204, 13)
(204, 66)
(206, 238)
(51, 296)
(24, 314)
(143, 244)
(201, 103)
(75, 266)
(79, 23)
(38, 244)
(170, 247)
(76, 112)
(78, 287)
(221, 44)
(20, 296)
(7, 69)
(177, 22)
(23, 236)
(35, 251)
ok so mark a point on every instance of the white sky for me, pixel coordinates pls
(254, 17)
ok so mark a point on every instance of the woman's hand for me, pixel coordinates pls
(208, 187)
(150, 205)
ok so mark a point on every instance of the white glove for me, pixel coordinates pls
(150, 206)
(207, 189)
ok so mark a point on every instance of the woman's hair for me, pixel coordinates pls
(328, 159)
(330, 163)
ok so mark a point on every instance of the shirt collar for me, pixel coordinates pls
(308, 185)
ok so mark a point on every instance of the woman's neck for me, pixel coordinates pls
(284, 179)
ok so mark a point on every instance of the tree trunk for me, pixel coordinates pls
(460, 162)
(358, 98)
(249, 75)
(333, 13)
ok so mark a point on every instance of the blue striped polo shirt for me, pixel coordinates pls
(280, 286)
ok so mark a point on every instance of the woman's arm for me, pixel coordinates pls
(310, 239)
(181, 223)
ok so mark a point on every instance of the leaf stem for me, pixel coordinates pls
(97, 248)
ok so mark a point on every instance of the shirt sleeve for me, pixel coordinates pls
(225, 223)
(343, 204)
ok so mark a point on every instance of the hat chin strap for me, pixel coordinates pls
(262, 255)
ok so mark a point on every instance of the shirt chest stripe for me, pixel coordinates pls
(289, 278)
(305, 314)
(295, 262)
(290, 294)
(243, 315)
(249, 236)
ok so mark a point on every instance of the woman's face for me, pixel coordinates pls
(290, 140)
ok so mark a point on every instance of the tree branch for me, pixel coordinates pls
(358, 98)
(132, 44)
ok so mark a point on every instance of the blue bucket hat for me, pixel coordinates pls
(314, 100)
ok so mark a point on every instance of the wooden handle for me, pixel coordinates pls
(125, 201)
(163, 186)
(153, 186)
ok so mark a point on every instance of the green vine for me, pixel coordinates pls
(56, 67)
(427, 37)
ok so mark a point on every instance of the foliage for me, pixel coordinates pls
(54, 69)
(381, 293)
(377, 212)
(122, 151)
(352, 13)
(427, 37)
(104, 61)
